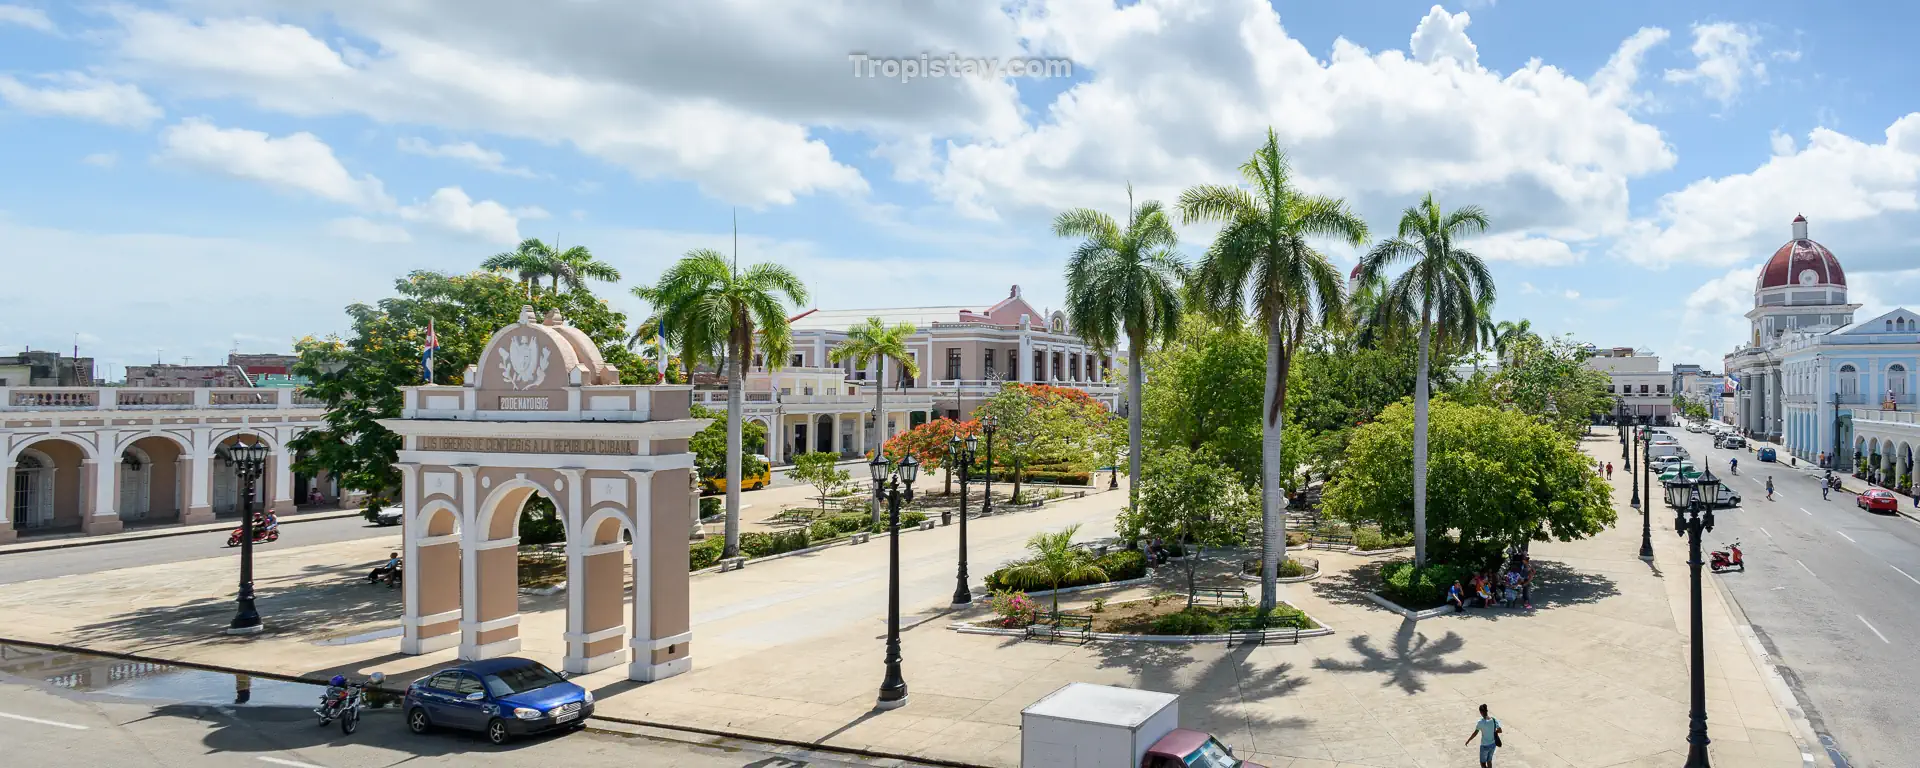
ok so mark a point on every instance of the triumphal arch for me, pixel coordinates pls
(542, 413)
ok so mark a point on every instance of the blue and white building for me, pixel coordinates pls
(1812, 378)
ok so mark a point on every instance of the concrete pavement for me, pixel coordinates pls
(1831, 589)
(113, 552)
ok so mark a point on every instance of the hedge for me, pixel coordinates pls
(706, 553)
(1422, 589)
(1043, 476)
(1203, 621)
(1120, 565)
(1369, 538)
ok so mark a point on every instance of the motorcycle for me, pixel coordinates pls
(392, 577)
(261, 533)
(344, 704)
(1728, 559)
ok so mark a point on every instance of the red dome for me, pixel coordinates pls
(1794, 261)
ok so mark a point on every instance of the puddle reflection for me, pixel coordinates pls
(87, 673)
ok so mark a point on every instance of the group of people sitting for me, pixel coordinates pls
(1512, 585)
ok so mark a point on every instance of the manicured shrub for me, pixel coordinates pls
(1188, 622)
(1296, 539)
(1370, 538)
(705, 553)
(822, 530)
(757, 544)
(1123, 564)
(712, 506)
(1014, 608)
(1422, 588)
(908, 519)
(848, 522)
(1470, 556)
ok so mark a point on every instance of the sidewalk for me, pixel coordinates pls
(70, 540)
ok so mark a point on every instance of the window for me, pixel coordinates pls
(807, 390)
(531, 677)
(1849, 380)
(786, 390)
(1609, 389)
(987, 370)
(759, 360)
(833, 391)
(953, 362)
(1013, 364)
(1643, 389)
(445, 681)
(797, 360)
(1660, 388)
(467, 685)
(1897, 379)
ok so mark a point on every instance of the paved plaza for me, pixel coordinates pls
(790, 649)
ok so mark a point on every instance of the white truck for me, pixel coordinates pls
(1083, 725)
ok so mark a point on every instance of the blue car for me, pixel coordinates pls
(1767, 454)
(502, 698)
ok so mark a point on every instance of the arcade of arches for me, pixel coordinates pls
(544, 414)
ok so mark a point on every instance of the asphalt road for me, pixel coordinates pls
(46, 564)
(1833, 591)
(71, 711)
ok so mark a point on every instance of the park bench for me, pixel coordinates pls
(1260, 630)
(926, 525)
(1325, 539)
(732, 564)
(858, 537)
(1053, 625)
(796, 516)
(1219, 595)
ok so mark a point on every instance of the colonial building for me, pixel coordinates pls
(963, 354)
(94, 459)
(1813, 379)
(45, 369)
(1636, 383)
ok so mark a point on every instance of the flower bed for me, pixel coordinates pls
(1294, 568)
(1162, 615)
(1120, 565)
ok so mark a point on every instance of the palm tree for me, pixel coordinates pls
(1262, 257)
(875, 340)
(1124, 281)
(1443, 292)
(1055, 561)
(713, 312)
(1507, 335)
(533, 259)
(652, 345)
(527, 262)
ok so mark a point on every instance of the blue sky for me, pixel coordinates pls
(188, 176)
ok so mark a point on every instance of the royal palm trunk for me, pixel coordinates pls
(1137, 349)
(736, 406)
(879, 421)
(1273, 503)
(1420, 449)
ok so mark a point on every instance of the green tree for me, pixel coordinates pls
(1442, 293)
(821, 470)
(1188, 496)
(1262, 259)
(875, 340)
(1203, 392)
(709, 445)
(1549, 380)
(1038, 421)
(715, 313)
(929, 443)
(1055, 561)
(533, 259)
(1498, 476)
(1124, 282)
(361, 375)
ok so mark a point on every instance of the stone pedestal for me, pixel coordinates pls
(197, 516)
(99, 525)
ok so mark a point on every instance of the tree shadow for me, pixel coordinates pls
(1350, 586)
(1411, 659)
(255, 729)
(308, 610)
(1555, 584)
(1156, 667)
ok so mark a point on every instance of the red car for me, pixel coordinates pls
(1879, 500)
(1182, 748)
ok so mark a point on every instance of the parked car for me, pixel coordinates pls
(1183, 748)
(387, 516)
(1696, 427)
(1766, 454)
(1730, 441)
(502, 698)
(1663, 463)
(1879, 500)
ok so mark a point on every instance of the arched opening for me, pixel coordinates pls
(433, 578)
(1897, 383)
(49, 486)
(152, 482)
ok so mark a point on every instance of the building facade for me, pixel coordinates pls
(1828, 388)
(963, 355)
(96, 459)
(1640, 388)
(45, 369)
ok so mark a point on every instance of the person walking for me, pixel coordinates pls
(1826, 486)
(1769, 487)
(1609, 471)
(1488, 729)
(1526, 581)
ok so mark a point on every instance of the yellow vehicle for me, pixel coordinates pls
(754, 481)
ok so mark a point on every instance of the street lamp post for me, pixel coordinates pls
(1693, 502)
(987, 426)
(893, 484)
(962, 452)
(249, 461)
(1633, 477)
(1646, 510)
(1620, 424)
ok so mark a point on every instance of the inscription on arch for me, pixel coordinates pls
(529, 445)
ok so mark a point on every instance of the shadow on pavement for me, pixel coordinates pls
(274, 729)
(1349, 586)
(1409, 662)
(1160, 667)
(311, 611)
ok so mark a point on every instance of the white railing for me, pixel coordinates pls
(1892, 417)
(151, 398)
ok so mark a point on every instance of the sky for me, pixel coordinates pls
(185, 178)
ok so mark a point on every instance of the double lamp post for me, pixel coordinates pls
(249, 462)
(893, 485)
(1693, 501)
(960, 454)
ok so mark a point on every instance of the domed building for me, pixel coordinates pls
(1812, 379)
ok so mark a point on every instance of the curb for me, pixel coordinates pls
(89, 541)
(1086, 587)
(1410, 614)
(1288, 580)
(969, 629)
(401, 691)
(1783, 698)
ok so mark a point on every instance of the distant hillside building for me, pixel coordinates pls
(45, 369)
(240, 370)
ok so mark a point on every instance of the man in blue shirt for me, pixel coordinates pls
(1488, 729)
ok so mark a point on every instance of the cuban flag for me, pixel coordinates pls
(426, 357)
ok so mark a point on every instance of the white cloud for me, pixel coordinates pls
(1614, 83)
(1527, 288)
(1725, 54)
(102, 159)
(1713, 314)
(1781, 143)
(450, 208)
(1571, 294)
(1521, 248)
(367, 231)
(299, 161)
(31, 18)
(625, 83)
(1870, 193)
(464, 151)
(82, 96)
(1184, 92)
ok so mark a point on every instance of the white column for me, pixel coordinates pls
(6, 501)
(834, 440)
(776, 435)
(104, 496)
(410, 532)
(470, 538)
(575, 661)
(1026, 357)
(282, 480)
(641, 556)
(860, 437)
(202, 482)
